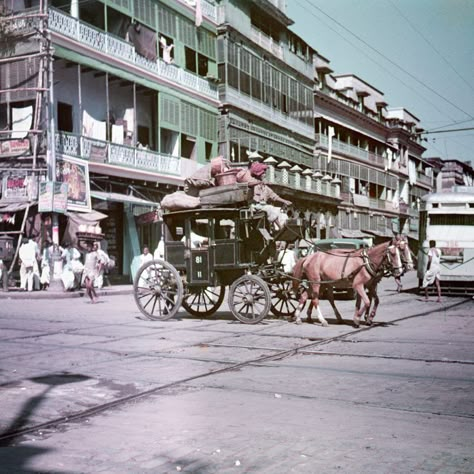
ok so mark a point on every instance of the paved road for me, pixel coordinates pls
(217, 396)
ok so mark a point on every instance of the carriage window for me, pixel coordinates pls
(224, 229)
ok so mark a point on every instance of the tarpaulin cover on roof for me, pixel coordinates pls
(75, 219)
(118, 197)
(15, 206)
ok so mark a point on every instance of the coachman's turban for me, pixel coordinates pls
(257, 170)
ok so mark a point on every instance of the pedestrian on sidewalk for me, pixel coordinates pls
(92, 268)
(28, 255)
(433, 270)
(46, 265)
(72, 268)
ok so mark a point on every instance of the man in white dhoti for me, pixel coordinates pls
(433, 270)
(28, 254)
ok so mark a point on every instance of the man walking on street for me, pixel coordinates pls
(433, 270)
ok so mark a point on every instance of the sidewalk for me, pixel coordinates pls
(53, 294)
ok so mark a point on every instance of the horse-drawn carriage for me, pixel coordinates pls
(207, 250)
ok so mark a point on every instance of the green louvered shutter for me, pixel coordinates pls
(189, 119)
(169, 111)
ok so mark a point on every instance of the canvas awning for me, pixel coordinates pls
(353, 234)
(15, 206)
(379, 233)
(126, 198)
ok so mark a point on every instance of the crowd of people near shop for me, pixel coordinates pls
(82, 266)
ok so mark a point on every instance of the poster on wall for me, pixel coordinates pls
(19, 186)
(75, 173)
(45, 198)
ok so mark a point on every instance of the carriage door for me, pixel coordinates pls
(199, 265)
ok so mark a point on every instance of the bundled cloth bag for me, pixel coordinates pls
(204, 177)
(179, 201)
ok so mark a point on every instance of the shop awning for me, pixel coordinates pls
(118, 197)
(15, 206)
(378, 233)
(91, 217)
(353, 234)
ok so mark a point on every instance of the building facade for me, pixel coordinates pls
(123, 99)
(125, 95)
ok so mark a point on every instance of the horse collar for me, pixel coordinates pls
(367, 264)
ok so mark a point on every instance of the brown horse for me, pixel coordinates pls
(364, 268)
(401, 242)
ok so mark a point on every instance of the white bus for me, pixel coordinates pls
(448, 219)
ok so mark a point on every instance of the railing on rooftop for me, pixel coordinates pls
(87, 148)
(110, 45)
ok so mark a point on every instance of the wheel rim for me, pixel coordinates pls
(204, 301)
(158, 290)
(249, 299)
(284, 302)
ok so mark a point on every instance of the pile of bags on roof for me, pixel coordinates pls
(218, 184)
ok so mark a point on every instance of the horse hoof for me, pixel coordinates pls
(325, 324)
(298, 321)
(368, 322)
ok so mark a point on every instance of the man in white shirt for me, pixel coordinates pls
(28, 254)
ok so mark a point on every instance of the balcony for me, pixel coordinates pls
(268, 113)
(94, 150)
(266, 42)
(112, 47)
(423, 179)
(291, 180)
(208, 10)
(350, 150)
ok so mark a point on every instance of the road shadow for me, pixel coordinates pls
(21, 423)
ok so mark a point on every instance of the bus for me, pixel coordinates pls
(448, 219)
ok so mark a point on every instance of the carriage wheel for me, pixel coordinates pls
(204, 301)
(249, 299)
(158, 290)
(284, 301)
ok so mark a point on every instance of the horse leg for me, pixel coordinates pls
(309, 319)
(302, 301)
(315, 302)
(330, 294)
(375, 298)
(366, 304)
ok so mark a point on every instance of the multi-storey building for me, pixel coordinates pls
(130, 87)
(126, 98)
(266, 81)
(374, 152)
(448, 174)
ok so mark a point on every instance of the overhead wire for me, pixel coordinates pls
(422, 83)
(381, 66)
(430, 44)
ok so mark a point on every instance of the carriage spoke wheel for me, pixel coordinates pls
(204, 301)
(249, 299)
(284, 301)
(158, 290)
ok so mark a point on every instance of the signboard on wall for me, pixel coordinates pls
(75, 173)
(45, 198)
(52, 197)
(19, 186)
(60, 192)
(14, 147)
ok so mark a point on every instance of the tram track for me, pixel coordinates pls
(9, 436)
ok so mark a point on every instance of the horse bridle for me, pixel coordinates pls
(386, 268)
